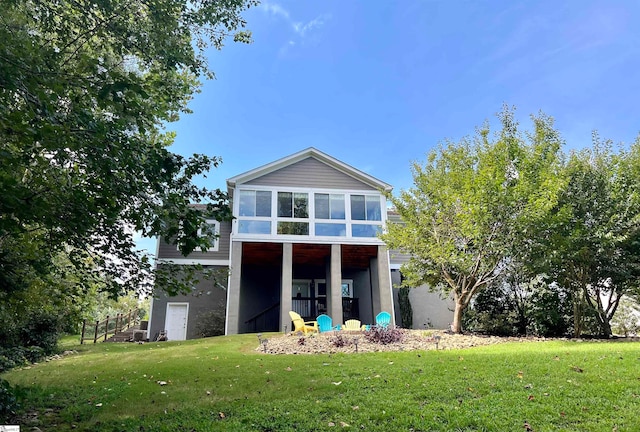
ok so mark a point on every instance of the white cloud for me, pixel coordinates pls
(301, 29)
(275, 9)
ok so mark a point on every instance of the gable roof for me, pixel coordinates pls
(314, 153)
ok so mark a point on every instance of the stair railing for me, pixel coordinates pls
(259, 320)
(108, 326)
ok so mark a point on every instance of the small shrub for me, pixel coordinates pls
(8, 400)
(34, 353)
(339, 341)
(211, 323)
(384, 335)
(6, 363)
(11, 358)
(41, 329)
(406, 312)
(18, 356)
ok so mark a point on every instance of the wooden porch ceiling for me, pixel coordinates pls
(353, 256)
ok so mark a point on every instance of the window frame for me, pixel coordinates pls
(215, 247)
(345, 225)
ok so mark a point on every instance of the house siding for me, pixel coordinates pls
(206, 296)
(429, 309)
(169, 251)
(397, 258)
(310, 173)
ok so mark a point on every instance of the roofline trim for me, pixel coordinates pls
(303, 154)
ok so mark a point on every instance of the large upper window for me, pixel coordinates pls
(293, 204)
(365, 207)
(284, 212)
(329, 206)
(255, 203)
(254, 227)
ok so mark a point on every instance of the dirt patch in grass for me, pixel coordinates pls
(350, 342)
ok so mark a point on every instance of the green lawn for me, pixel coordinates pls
(223, 384)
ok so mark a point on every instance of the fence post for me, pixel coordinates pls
(95, 334)
(84, 326)
(106, 328)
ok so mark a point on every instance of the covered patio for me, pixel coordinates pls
(276, 278)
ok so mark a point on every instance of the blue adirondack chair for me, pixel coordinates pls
(325, 323)
(383, 319)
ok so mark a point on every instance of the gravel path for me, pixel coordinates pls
(412, 340)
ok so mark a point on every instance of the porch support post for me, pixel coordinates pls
(381, 292)
(286, 303)
(233, 292)
(334, 284)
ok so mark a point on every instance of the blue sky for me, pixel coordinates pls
(377, 84)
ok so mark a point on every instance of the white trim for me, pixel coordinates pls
(226, 315)
(393, 303)
(216, 232)
(155, 263)
(190, 261)
(304, 189)
(155, 266)
(186, 318)
(310, 152)
(150, 317)
(257, 238)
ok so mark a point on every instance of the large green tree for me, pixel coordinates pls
(594, 246)
(473, 204)
(86, 88)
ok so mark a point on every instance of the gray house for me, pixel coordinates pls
(304, 239)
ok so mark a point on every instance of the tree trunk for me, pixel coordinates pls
(603, 322)
(456, 326)
(578, 315)
(606, 328)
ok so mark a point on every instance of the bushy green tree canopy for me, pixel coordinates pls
(594, 244)
(85, 89)
(472, 204)
(499, 213)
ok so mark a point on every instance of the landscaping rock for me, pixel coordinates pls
(413, 340)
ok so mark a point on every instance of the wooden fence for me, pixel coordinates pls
(98, 330)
